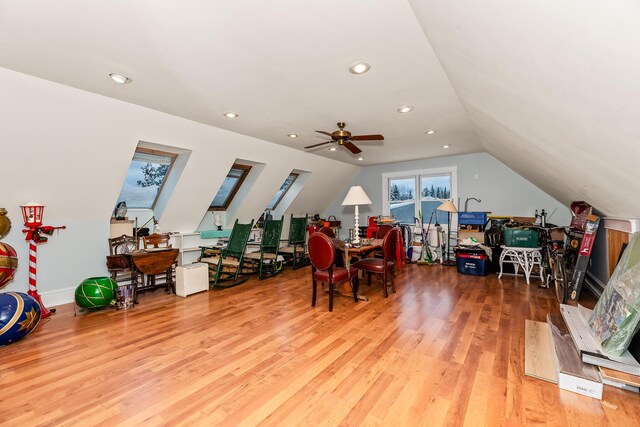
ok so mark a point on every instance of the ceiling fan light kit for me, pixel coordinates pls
(344, 138)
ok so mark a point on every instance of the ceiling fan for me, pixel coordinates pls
(344, 138)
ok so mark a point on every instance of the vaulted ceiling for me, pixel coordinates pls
(549, 88)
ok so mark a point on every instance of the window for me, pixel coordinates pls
(406, 195)
(282, 191)
(145, 178)
(230, 187)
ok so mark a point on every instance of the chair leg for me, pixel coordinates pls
(369, 278)
(313, 297)
(330, 295)
(384, 283)
(393, 279)
(356, 283)
(218, 268)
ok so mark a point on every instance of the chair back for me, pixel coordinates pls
(389, 244)
(156, 240)
(238, 239)
(327, 232)
(272, 233)
(122, 245)
(297, 230)
(383, 230)
(321, 251)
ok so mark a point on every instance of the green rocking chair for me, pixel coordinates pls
(228, 264)
(296, 251)
(267, 258)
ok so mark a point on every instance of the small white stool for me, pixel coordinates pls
(521, 257)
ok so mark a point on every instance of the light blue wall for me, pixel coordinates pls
(502, 191)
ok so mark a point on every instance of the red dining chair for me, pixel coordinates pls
(322, 254)
(384, 266)
(383, 230)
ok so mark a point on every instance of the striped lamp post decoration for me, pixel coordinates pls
(32, 214)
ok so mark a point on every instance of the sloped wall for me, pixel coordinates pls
(552, 89)
(71, 149)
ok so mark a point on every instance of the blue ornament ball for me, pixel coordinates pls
(19, 316)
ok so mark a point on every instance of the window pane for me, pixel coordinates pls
(403, 211)
(401, 189)
(229, 186)
(434, 189)
(282, 191)
(225, 190)
(144, 178)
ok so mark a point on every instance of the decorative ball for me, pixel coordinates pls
(5, 223)
(8, 264)
(19, 316)
(96, 292)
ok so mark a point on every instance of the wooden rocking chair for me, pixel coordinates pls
(296, 251)
(228, 264)
(267, 258)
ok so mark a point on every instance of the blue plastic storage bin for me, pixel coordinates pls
(475, 265)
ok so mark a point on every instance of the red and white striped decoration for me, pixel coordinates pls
(33, 290)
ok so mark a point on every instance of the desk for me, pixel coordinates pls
(521, 257)
(155, 261)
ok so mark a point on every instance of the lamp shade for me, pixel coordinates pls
(356, 196)
(447, 206)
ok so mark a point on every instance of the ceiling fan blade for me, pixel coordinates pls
(317, 145)
(352, 147)
(323, 132)
(367, 138)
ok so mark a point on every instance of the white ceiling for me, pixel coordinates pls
(550, 88)
(281, 65)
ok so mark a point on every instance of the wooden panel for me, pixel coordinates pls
(538, 361)
(615, 240)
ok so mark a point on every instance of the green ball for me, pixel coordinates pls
(96, 292)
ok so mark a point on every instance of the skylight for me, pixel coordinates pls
(229, 187)
(282, 191)
(145, 178)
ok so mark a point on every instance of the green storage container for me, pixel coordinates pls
(520, 237)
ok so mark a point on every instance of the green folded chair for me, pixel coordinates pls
(296, 251)
(227, 265)
(267, 258)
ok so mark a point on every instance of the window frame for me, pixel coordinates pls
(275, 205)
(159, 153)
(232, 194)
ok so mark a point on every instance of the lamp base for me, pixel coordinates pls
(449, 263)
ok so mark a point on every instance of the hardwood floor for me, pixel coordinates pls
(446, 349)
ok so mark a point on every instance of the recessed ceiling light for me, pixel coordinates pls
(361, 158)
(446, 146)
(230, 115)
(292, 135)
(332, 149)
(359, 67)
(119, 78)
(405, 109)
(430, 132)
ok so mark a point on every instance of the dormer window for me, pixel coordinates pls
(230, 187)
(146, 177)
(282, 191)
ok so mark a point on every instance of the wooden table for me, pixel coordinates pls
(345, 288)
(155, 261)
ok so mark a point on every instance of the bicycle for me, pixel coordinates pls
(553, 267)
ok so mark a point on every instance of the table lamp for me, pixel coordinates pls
(449, 207)
(356, 196)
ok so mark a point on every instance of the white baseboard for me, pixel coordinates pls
(58, 297)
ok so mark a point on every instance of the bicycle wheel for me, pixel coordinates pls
(560, 279)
